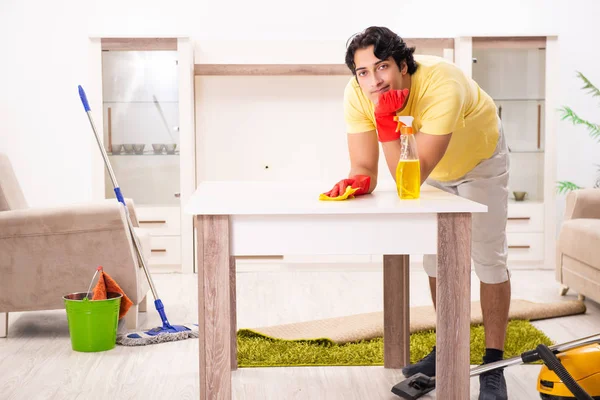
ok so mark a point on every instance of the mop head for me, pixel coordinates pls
(158, 335)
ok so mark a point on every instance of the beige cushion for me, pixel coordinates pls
(580, 239)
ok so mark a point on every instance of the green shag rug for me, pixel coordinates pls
(255, 350)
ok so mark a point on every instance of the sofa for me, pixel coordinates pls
(48, 252)
(578, 247)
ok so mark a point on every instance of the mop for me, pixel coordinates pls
(167, 332)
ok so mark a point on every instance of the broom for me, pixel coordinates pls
(167, 332)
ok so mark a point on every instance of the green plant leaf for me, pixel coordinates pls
(566, 186)
(569, 114)
(587, 85)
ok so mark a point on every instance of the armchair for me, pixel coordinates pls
(48, 252)
(578, 247)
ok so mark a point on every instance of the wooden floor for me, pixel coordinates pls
(36, 361)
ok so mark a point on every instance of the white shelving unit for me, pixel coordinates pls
(519, 72)
(267, 85)
(147, 98)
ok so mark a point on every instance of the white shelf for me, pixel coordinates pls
(536, 100)
(145, 154)
(538, 151)
(513, 201)
(139, 102)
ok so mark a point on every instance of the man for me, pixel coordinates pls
(461, 150)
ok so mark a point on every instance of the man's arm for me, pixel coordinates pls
(364, 155)
(431, 149)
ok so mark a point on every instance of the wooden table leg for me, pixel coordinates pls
(233, 312)
(396, 311)
(453, 306)
(214, 301)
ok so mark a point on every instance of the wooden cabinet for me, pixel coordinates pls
(525, 231)
(164, 225)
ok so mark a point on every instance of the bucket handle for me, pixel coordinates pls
(93, 277)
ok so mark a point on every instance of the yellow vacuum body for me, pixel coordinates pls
(583, 363)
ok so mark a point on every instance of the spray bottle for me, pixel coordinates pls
(408, 171)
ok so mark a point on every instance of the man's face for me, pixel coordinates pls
(377, 76)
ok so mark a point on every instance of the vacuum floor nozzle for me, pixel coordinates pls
(414, 387)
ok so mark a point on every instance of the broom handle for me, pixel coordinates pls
(117, 189)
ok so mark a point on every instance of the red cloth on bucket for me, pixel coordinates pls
(107, 284)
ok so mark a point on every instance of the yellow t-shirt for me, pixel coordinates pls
(442, 100)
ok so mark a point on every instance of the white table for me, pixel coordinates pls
(268, 218)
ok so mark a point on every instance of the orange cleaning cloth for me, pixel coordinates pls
(107, 284)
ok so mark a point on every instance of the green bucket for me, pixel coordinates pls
(92, 323)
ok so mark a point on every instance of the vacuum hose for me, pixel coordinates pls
(554, 364)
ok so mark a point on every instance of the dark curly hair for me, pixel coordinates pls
(385, 44)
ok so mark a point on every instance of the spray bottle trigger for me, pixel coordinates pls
(400, 124)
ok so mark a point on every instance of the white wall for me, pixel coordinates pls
(44, 57)
(271, 128)
(577, 152)
(42, 123)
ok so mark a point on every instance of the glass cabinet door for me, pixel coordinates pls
(513, 74)
(141, 133)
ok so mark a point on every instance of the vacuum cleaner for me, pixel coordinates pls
(570, 371)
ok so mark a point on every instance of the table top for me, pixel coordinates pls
(285, 198)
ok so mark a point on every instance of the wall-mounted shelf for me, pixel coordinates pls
(271, 69)
(285, 61)
(138, 44)
(509, 42)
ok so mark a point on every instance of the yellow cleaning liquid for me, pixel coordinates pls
(408, 179)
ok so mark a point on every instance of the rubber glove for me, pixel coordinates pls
(353, 186)
(388, 104)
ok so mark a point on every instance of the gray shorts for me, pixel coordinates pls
(487, 184)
